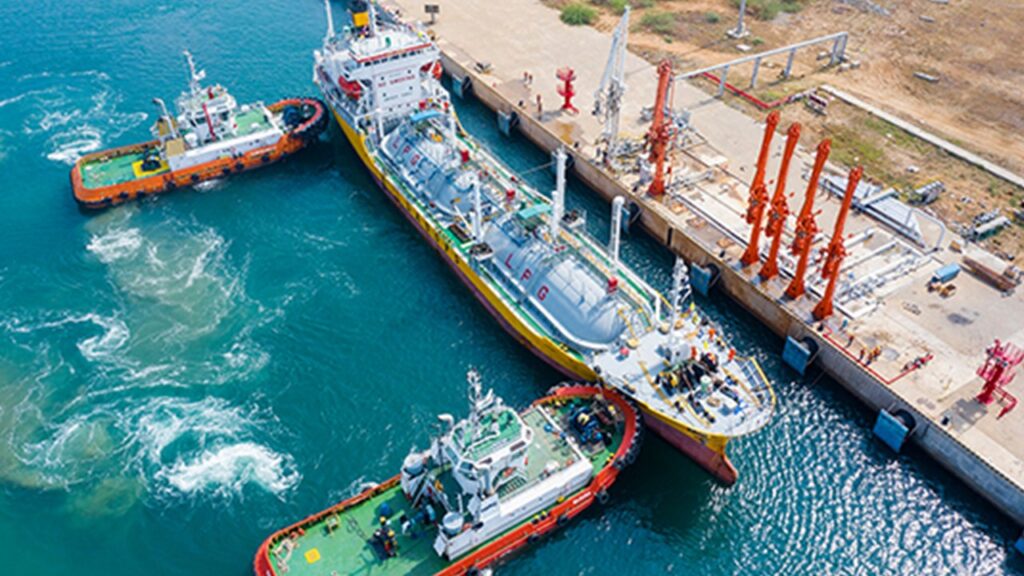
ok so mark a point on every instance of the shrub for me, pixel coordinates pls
(769, 9)
(658, 21)
(712, 17)
(618, 6)
(642, 4)
(577, 14)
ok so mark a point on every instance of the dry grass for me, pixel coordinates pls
(969, 44)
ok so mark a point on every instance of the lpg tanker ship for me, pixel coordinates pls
(486, 486)
(567, 298)
(211, 137)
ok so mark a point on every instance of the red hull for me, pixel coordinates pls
(716, 464)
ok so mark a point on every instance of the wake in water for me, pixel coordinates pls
(116, 404)
(76, 112)
(174, 447)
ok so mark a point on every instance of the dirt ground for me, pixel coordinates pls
(969, 45)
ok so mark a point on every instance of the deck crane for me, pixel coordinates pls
(836, 250)
(608, 96)
(659, 134)
(806, 227)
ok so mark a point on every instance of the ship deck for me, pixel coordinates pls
(346, 548)
(108, 171)
(252, 121)
(114, 170)
(704, 221)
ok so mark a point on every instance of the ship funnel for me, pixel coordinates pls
(360, 14)
(558, 197)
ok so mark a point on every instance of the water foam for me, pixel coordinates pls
(115, 244)
(77, 112)
(173, 446)
(226, 470)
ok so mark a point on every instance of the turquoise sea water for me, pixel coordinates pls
(181, 376)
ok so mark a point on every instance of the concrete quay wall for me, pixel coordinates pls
(977, 473)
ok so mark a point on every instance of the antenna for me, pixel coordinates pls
(194, 77)
(330, 21)
(558, 197)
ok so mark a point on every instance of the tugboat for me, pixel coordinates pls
(488, 485)
(528, 261)
(211, 137)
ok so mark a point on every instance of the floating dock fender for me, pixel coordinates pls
(703, 278)
(799, 354)
(633, 209)
(602, 497)
(507, 121)
(462, 85)
(893, 428)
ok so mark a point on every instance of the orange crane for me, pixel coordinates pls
(836, 250)
(758, 193)
(780, 207)
(658, 136)
(806, 227)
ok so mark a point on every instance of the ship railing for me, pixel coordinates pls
(758, 383)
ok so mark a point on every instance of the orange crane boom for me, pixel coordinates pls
(836, 250)
(780, 207)
(806, 227)
(658, 135)
(758, 193)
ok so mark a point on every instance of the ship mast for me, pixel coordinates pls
(558, 196)
(478, 213)
(615, 234)
(680, 293)
(194, 77)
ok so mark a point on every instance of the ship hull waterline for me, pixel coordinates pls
(708, 452)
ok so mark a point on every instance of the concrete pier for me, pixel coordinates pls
(493, 43)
